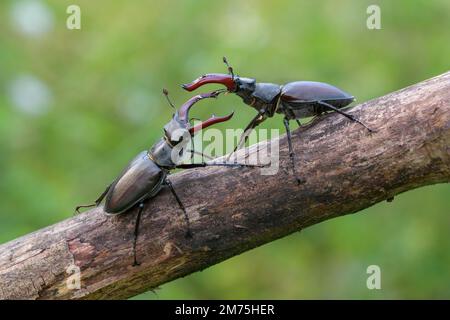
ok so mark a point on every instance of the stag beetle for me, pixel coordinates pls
(147, 173)
(295, 100)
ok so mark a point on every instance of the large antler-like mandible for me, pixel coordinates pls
(183, 112)
(210, 122)
(226, 79)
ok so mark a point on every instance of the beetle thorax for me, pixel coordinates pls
(161, 153)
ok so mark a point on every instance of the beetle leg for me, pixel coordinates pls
(192, 151)
(298, 122)
(136, 233)
(186, 217)
(77, 208)
(345, 114)
(96, 203)
(244, 137)
(291, 150)
(219, 164)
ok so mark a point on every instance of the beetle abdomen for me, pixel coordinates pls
(299, 99)
(310, 91)
(141, 179)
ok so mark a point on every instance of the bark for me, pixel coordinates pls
(233, 210)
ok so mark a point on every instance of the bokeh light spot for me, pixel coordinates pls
(31, 17)
(30, 95)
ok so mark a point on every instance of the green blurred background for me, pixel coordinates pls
(76, 105)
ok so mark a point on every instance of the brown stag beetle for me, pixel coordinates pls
(147, 173)
(295, 100)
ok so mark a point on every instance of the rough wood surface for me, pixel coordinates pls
(233, 210)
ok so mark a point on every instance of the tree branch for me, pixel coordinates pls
(346, 168)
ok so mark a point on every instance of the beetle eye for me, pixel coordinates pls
(175, 142)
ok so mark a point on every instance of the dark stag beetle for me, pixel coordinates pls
(296, 100)
(147, 173)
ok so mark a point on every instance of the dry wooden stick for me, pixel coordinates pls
(233, 210)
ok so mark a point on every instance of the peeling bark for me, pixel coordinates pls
(233, 210)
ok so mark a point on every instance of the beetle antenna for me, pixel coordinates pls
(166, 94)
(230, 68)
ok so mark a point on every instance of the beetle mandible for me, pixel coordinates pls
(295, 100)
